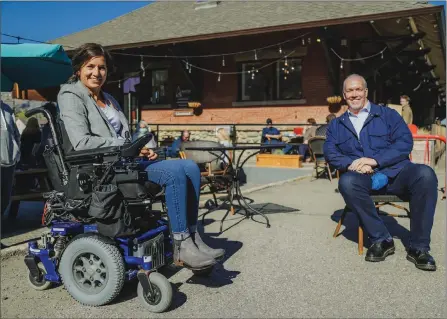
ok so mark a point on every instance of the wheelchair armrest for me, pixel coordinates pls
(84, 154)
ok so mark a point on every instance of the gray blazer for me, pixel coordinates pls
(9, 137)
(86, 124)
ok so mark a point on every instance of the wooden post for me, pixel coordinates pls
(16, 91)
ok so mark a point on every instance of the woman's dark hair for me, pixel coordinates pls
(311, 121)
(84, 53)
(32, 127)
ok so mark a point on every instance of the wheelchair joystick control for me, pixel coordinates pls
(127, 135)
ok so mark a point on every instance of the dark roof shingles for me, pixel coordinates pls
(169, 20)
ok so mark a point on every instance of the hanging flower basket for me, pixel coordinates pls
(334, 103)
(194, 105)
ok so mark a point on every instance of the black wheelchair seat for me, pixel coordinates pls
(81, 179)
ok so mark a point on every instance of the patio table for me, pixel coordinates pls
(235, 192)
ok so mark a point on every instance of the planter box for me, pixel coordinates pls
(272, 160)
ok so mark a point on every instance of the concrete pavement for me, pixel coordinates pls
(294, 269)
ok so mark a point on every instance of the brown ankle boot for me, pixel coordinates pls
(186, 254)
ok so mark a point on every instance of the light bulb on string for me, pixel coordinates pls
(119, 84)
(256, 55)
(308, 40)
(142, 67)
(285, 61)
(187, 64)
(223, 61)
(189, 70)
(381, 55)
(341, 64)
(303, 41)
(280, 50)
(218, 79)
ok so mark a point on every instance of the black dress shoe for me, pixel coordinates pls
(421, 259)
(379, 251)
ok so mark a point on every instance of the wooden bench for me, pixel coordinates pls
(22, 190)
(276, 160)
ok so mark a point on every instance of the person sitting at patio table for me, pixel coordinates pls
(174, 149)
(309, 132)
(321, 130)
(371, 145)
(271, 135)
(93, 119)
(143, 129)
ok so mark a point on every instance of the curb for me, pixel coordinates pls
(18, 250)
(22, 249)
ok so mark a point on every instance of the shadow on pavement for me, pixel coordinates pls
(351, 223)
(218, 278)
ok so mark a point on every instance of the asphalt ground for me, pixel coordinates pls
(294, 269)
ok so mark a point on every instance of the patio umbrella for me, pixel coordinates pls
(33, 66)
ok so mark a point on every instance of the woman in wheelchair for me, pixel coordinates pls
(93, 119)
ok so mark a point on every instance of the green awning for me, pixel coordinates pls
(33, 66)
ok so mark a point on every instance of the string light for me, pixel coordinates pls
(218, 79)
(341, 64)
(303, 41)
(256, 55)
(223, 61)
(360, 59)
(119, 84)
(285, 61)
(280, 50)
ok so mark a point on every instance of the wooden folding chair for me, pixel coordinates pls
(212, 173)
(316, 150)
(379, 201)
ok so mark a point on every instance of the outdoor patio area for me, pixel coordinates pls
(293, 269)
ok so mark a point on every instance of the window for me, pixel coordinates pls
(159, 87)
(152, 89)
(278, 81)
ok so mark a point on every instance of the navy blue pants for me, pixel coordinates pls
(416, 182)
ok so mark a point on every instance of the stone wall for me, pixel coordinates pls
(252, 135)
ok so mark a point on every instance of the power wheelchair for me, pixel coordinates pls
(103, 230)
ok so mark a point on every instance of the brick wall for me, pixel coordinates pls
(279, 114)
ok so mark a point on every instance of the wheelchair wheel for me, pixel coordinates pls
(41, 283)
(92, 271)
(162, 293)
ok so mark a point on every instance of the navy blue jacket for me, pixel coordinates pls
(384, 137)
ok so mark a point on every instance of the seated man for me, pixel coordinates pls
(173, 150)
(271, 135)
(369, 139)
(321, 130)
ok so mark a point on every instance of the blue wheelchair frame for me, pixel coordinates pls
(74, 229)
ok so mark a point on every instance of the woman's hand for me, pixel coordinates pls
(150, 154)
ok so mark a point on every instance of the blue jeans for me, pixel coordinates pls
(416, 182)
(285, 150)
(181, 179)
